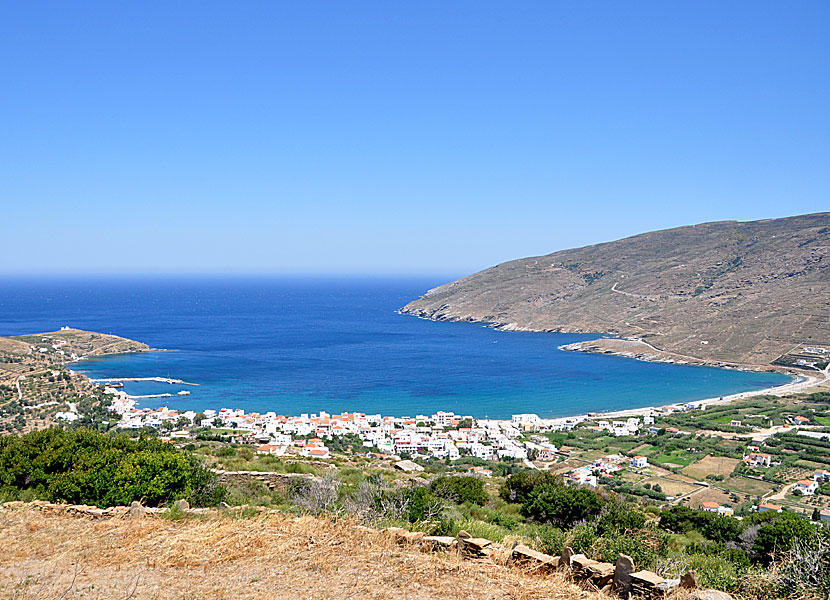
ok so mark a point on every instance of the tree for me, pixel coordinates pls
(561, 505)
(217, 422)
(781, 534)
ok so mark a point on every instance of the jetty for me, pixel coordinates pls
(159, 379)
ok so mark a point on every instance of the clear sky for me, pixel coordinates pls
(393, 137)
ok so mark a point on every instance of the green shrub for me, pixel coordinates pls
(619, 517)
(644, 545)
(561, 505)
(459, 489)
(518, 486)
(86, 467)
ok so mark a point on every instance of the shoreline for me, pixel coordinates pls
(794, 387)
(801, 381)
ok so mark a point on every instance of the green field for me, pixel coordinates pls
(674, 458)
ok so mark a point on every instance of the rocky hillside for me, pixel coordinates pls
(739, 292)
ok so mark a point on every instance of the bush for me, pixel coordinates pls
(517, 487)
(645, 546)
(421, 505)
(619, 517)
(718, 528)
(561, 505)
(781, 534)
(86, 467)
(460, 489)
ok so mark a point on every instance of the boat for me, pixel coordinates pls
(183, 393)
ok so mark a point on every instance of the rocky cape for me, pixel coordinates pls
(738, 293)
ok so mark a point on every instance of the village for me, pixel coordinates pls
(661, 454)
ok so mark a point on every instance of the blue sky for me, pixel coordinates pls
(379, 137)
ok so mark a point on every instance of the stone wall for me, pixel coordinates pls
(272, 480)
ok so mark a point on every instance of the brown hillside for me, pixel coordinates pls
(752, 291)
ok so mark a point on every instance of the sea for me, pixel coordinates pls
(297, 345)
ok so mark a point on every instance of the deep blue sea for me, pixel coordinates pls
(295, 345)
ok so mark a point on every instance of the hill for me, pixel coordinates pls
(730, 292)
(35, 384)
(215, 556)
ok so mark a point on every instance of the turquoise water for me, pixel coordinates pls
(305, 345)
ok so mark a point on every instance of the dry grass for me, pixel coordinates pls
(271, 556)
(709, 495)
(670, 487)
(711, 465)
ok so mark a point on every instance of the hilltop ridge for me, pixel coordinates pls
(724, 292)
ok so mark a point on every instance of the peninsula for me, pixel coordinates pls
(751, 293)
(35, 385)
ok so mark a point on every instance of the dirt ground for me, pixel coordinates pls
(670, 487)
(711, 465)
(709, 495)
(217, 557)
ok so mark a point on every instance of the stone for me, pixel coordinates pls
(646, 577)
(645, 584)
(689, 581)
(532, 558)
(709, 595)
(600, 573)
(224, 506)
(181, 505)
(413, 537)
(565, 558)
(622, 575)
(463, 535)
(580, 564)
(476, 544)
(407, 466)
(440, 542)
(136, 510)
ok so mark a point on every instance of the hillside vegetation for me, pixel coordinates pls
(728, 291)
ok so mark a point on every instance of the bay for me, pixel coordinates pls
(304, 344)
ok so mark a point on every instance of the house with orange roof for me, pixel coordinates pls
(805, 487)
(821, 475)
(317, 452)
(757, 459)
(769, 507)
(272, 449)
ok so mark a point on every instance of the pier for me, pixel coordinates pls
(159, 379)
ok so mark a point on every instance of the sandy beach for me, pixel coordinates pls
(804, 382)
